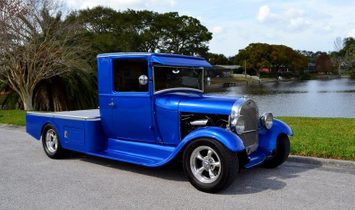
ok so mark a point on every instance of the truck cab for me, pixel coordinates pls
(152, 109)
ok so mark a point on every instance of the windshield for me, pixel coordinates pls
(167, 77)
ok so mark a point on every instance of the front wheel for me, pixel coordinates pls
(51, 143)
(209, 166)
(280, 154)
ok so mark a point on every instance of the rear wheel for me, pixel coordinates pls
(51, 143)
(209, 166)
(280, 154)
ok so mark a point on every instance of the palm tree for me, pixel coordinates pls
(73, 91)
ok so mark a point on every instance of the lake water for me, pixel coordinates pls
(314, 98)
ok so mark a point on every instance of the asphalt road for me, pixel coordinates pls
(30, 180)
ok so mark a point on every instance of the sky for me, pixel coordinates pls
(303, 24)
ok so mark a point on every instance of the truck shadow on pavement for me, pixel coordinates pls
(259, 179)
(247, 181)
(172, 171)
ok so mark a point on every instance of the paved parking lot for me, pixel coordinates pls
(30, 180)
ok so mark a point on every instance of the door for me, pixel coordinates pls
(131, 102)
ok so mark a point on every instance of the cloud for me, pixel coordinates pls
(109, 3)
(351, 33)
(293, 18)
(326, 27)
(165, 3)
(265, 15)
(172, 3)
(217, 30)
(297, 23)
(120, 4)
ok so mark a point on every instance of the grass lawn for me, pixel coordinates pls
(322, 137)
(13, 117)
(222, 80)
(318, 137)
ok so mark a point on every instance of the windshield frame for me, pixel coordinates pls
(202, 90)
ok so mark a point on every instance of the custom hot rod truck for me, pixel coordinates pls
(152, 109)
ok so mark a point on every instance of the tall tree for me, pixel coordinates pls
(344, 55)
(324, 63)
(183, 34)
(216, 59)
(348, 53)
(274, 57)
(145, 31)
(35, 45)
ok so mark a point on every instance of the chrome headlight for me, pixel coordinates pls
(266, 120)
(238, 124)
(235, 112)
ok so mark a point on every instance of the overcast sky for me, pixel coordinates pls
(303, 24)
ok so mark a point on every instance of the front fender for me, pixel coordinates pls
(224, 136)
(268, 138)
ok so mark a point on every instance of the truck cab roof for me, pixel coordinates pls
(160, 58)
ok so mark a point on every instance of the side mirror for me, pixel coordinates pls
(143, 79)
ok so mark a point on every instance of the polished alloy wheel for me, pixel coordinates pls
(205, 164)
(51, 141)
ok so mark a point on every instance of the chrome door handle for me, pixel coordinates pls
(111, 104)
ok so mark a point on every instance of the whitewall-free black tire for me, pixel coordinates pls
(51, 143)
(209, 165)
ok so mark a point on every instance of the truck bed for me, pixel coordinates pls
(77, 130)
(89, 114)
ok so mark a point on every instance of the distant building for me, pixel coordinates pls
(279, 69)
(264, 70)
(311, 67)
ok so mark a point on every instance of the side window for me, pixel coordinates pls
(126, 73)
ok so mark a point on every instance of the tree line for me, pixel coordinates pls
(280, 58)
(48, 58)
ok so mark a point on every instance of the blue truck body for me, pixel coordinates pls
(145, 127)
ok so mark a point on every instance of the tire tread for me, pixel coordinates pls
(228, 157)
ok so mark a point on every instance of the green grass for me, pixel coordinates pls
(318, 137)
(222, 80)
(13, 117)
(322, 137)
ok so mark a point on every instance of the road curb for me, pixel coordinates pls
(11, 126)
(322, 161)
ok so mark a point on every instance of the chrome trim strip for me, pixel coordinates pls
(203, 80)
(64, 116)
(169, 89)
(249, 131)
(199, 122)
(120, 54)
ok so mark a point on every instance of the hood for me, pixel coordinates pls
(195, 102)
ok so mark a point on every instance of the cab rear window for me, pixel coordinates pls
(126, 73)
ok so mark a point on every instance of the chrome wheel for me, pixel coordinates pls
(205, 164)
(51, 140)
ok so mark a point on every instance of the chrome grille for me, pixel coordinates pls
(249, 111)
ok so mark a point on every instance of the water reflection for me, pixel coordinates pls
(317, 98)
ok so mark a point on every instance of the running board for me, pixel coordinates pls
(255, 158)
(151, 155)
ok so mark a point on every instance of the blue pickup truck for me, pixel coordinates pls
(152, 109)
